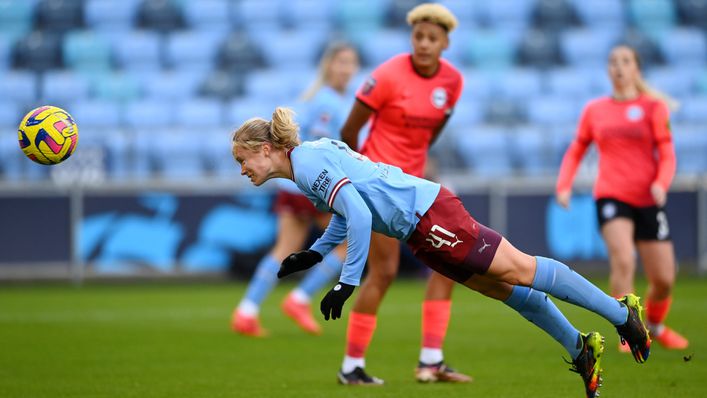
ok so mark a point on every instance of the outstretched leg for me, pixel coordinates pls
(584, 349)
(550, 276)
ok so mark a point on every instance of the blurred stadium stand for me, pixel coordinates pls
(151, 80)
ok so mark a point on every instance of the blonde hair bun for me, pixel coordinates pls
(435, 13)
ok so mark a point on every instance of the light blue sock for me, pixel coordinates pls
(541, 311)
(560, 281)
(321, 274)
(263, 280)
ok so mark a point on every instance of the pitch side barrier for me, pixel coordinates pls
(210, 227)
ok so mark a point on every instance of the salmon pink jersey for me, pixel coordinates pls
(408, 108)
(635, 149)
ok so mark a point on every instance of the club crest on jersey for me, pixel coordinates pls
(322, 182)
(634, 113)
(439, 97)
(609, 211)
(368, 85)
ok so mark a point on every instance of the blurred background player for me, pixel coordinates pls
(629, 129)
(409, 99)
(324, 111)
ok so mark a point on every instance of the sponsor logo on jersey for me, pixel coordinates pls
(634, 113)
(439, 97)
(322, 182)
(368, 85)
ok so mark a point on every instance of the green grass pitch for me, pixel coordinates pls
(173, 340)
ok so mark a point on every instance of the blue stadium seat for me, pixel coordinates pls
(303, 14)
(675, 81)
(468, 112)
(531, 151)
(59, 16)
(554, 15)
(690, 148)
(466, 12)
(601, 15)
(570, 82)
(179, 154)
(539, 49)
(221, 84)
(647, 49)
(86, 51)
(478, 84)
(296, 49)
(208, 15)
(240, 54)
(98, 123)
(139, 51)
(520, 84)
(701, 83)
(258, 15)
(196, 114)
(10, 115)
(62, 87)
(109, 143)
(486, 152)
(38, 51)
(19, 87)
(272, 85)
(693, 12)
(685, 47)
(385, 44)
(552, 111)
(694, 110)
(587, 48)
(96, 114)
(559, 139)
(161, 15)
(146, 114)
(456, 52)
(511, 16)
(11, 157)
(172, 85)
(505, 111)
(5, 52)
(111, 15)
(116, 86)
(15, 18)
(653, 17)
(192, 50)
(242, 109)
(360, 16)
(217, 155)
(490, 49)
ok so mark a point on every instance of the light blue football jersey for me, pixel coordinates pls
(363, 195)
(321, 116)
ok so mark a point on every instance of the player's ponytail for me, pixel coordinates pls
(281, 132)
(284, 129)
(645, 88)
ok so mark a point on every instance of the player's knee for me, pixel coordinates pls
(624, 262)
(663, 286)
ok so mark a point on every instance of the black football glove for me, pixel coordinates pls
(334, 300)
(298, 261)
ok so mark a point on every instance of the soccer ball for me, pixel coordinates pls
(48, 135)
